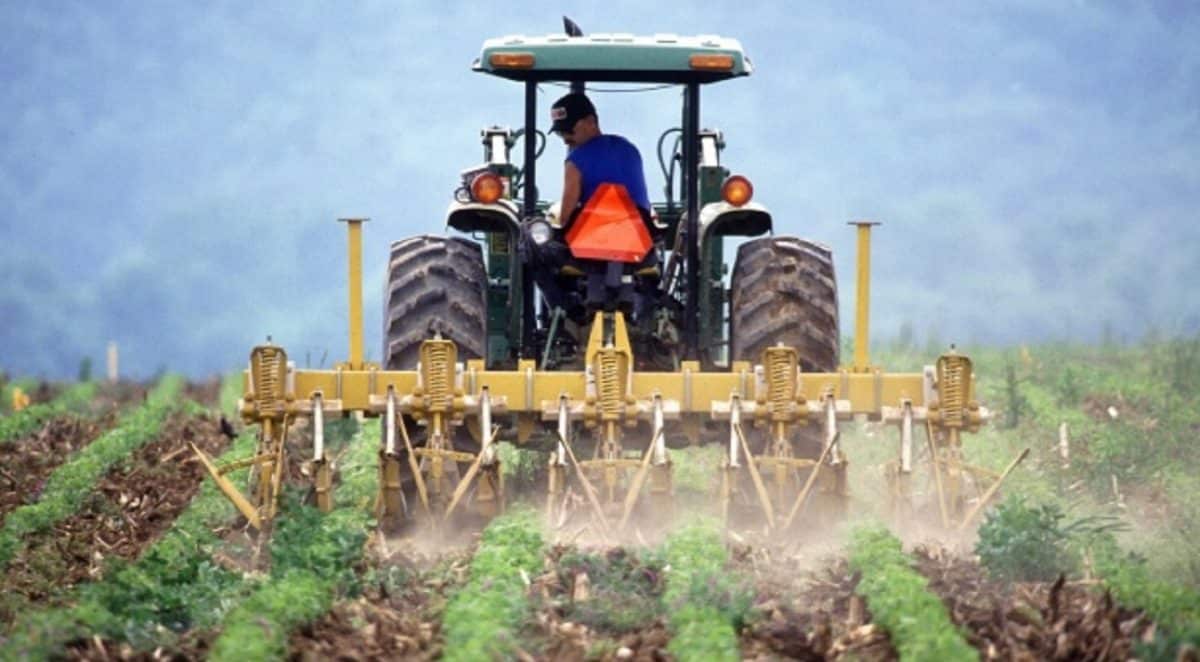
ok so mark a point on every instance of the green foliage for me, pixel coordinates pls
(231, 391)
(1015, 402)
(482, 618)
(22, 423)
(67, 487)
(693, 468)
(1175, 608)
(706, 604)
(172, 587)
(625, 588)
(1019, 542)
(313, 559)
(916, 619)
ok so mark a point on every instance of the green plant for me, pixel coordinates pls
(1019, 542)
(624, 588)
(72, 400)
(900, 601)
(1175, 608)
(313, 559)
(705, 603)
(1016, 403)
(67, 487)
(173, 586)
(482, 618)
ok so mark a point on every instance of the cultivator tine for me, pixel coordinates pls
(900, 473)
(322, 474)
(639, 479)
(557, 474)
(937, 474)
(588, 489)
(485, 454)
(991, 491)
(413, 463)
(730, 465)
(763, 498)
(227, 488)
(802, 497)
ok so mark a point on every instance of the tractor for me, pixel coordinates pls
(607, 361)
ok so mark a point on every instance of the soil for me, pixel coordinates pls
(392, 619)
(1058, 621)
(131, 507)
(207, 392)
(599, 604)
(26, 463)
(807, 615)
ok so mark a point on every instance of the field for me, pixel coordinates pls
(113, 545)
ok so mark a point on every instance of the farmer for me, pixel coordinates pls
(593, 157)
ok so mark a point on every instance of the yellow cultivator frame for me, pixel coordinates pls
(612, 401)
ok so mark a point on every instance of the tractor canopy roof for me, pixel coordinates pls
(661, 58)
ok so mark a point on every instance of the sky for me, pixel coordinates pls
(171, 173)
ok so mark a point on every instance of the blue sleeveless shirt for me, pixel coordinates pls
(610, 159)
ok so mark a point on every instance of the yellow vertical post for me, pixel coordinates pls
(354, 250)
(862, 309)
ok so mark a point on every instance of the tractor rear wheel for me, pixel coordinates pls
(435, 286)
(784, 291)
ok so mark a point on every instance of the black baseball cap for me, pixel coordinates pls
(568, 110)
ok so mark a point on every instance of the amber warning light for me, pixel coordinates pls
(487, 188)
(737, 190)
(511, 60)
(712, 62)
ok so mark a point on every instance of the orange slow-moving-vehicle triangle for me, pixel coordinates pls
(609, 227)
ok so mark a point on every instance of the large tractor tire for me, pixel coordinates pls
(784, 291)
(435, 285)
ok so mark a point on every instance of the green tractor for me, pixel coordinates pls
(606, 362)
(478, 290)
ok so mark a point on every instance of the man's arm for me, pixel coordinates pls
(572, 189)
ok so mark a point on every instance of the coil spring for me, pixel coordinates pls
(437, 363)
(952, 389)
(781, 383)
(267, 364)
(608, 384)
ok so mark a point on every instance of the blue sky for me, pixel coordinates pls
(171, 172)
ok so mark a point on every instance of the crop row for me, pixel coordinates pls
(313, 558)
(1174, 607)
(482, 617)
(67, 487)
(26, 384)
(705, 604)
(900, 601)
(173, 586)
(21, 423)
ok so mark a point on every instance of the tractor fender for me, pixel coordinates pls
(721, 219)
(500, 216)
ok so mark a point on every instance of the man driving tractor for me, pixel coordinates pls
(593, 157)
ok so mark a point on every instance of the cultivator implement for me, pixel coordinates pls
(759, 412)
